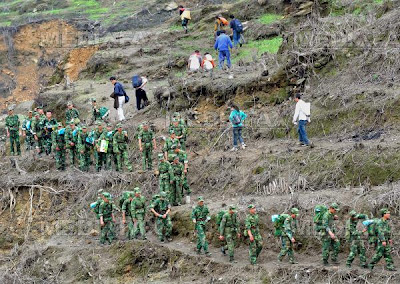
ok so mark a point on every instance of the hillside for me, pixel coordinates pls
(343, 55)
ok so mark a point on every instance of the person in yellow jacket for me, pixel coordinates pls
(185, 17)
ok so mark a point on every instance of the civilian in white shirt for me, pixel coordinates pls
(302, 115)
(194, 62)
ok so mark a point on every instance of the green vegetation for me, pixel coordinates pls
(255, 48)
(268, 19)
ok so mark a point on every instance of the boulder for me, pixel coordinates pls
(171, 6)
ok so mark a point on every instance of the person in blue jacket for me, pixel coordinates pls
(223, 44)
(237, 118)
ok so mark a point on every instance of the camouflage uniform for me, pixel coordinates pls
(165, 173)
(120, 148)
(71, 114)
(201, 214)
(126, 207)
(383, 231)
(12, 124)
(184, 160)
(176, 183)
(252, 224)
(179, 130)
(147, 145)
(71, 136)
(107, 231)
(138, 213)
(110, 156)
(58, 137)
(163, 226)
(289, 229)
(48, 127)
(27, 129)
(99, 113)
(229, 228)
(353, 236)
(168, 146)
(327, 242)
(37, 130)
(99, 157)
(85, 147)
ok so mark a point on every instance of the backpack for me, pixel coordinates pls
(319, 212)
(238, 26)
(371, 229)
(237, 119)
(104, 112)
(137, 81)
(220, 215)
(126, 99)
(278, 221)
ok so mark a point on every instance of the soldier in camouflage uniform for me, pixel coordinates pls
(126, 212)
(71, 142)
(138, 213)
(37, 131)
(184, 160)
(169, 143)
(328, 237)
(287, 238)
(353, 236)
(178, 176)
(384, 234)
(200, 217)
(71, 113)
(109, 156)
(12, 128)
(147, 143)
(228, 228)
(85, 146)
(177, 116)
(180, 132)
(27, 132)
(107, 219)
(49, 124)
(253, 232)
(120, 148)
(161, 209)
(58, 145)
(99, 113)
(165, 174)
(99, 157)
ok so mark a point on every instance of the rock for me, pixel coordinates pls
(68, 66)
(94, 233)
(262, 2)
(171, 6)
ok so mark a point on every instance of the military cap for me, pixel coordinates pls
(84, 126)
(100, 191)
(251, 206)
(119, 125)
(137, 190)
(93, 99)
(106, 194)
(163, 194)
(71, 121)
(384, 211)
(176, 157)
(176, 114)
(77, 120)
(232, 207)
(109, 125)
(145, 123)
(98, 123)
(30, 111)
(70, 103)
(335, 206)
(294, 211)
(10, 108)
(352, 213)
(59, 124)
(200, 198)
(35, 113)
(160, 156)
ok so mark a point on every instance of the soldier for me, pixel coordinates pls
(184, 160)
(253, 231)
(99, 113)
(384, 234)
(126, 211)
(49, 124)
(71, 141)
(27, 131)
(165, 174)
(353, 236)
(71, 113)
(180, 132)
(228, 228)
(138, 213)
(99, 157)
(328, 237)
(13, 131)
(287, 238)
(107, 219)
(177, 116)
(85, 146)
(176, 182)
(37, 131)
(172, 140)
(58, 145)
(161, 209)
(200, 216)
(147, 143)
(120, 148)
(109, 155)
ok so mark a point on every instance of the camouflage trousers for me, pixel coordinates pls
(147, 160)
(99, 160)
(185, 186)
(164, 227)
(182, 142)
(287, 248)
(255, 247)
(73, 155)
(122, 155)
(60, 159)
(380, 252)
(84, 160)
(140, 226)
(110, 159)
(14, 141)
(40, 144)
(357, 247)
(201, 237)
(330, 245)
(29, 142)
(164, 183)
(47, 142)
(175, 194)
(130, 233)
(229, 234)
(107, 232)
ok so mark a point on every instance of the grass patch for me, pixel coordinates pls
(255, 48)
(268, 18)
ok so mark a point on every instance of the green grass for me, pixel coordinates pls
(268, 19)
(257, 48)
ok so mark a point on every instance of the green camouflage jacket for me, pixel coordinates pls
(168, 144)
(384, 231)
(177, 172)
(58, 139)
(229, 221)
(71, 136)
(165, 170)
(290, 227)
(120, 142)
(106, 210)
(161, 206)
(138, 206)
(201, 214)
(252, 223)
(71, 114)
(12, 123)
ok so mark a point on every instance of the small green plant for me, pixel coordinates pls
(268, 19)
